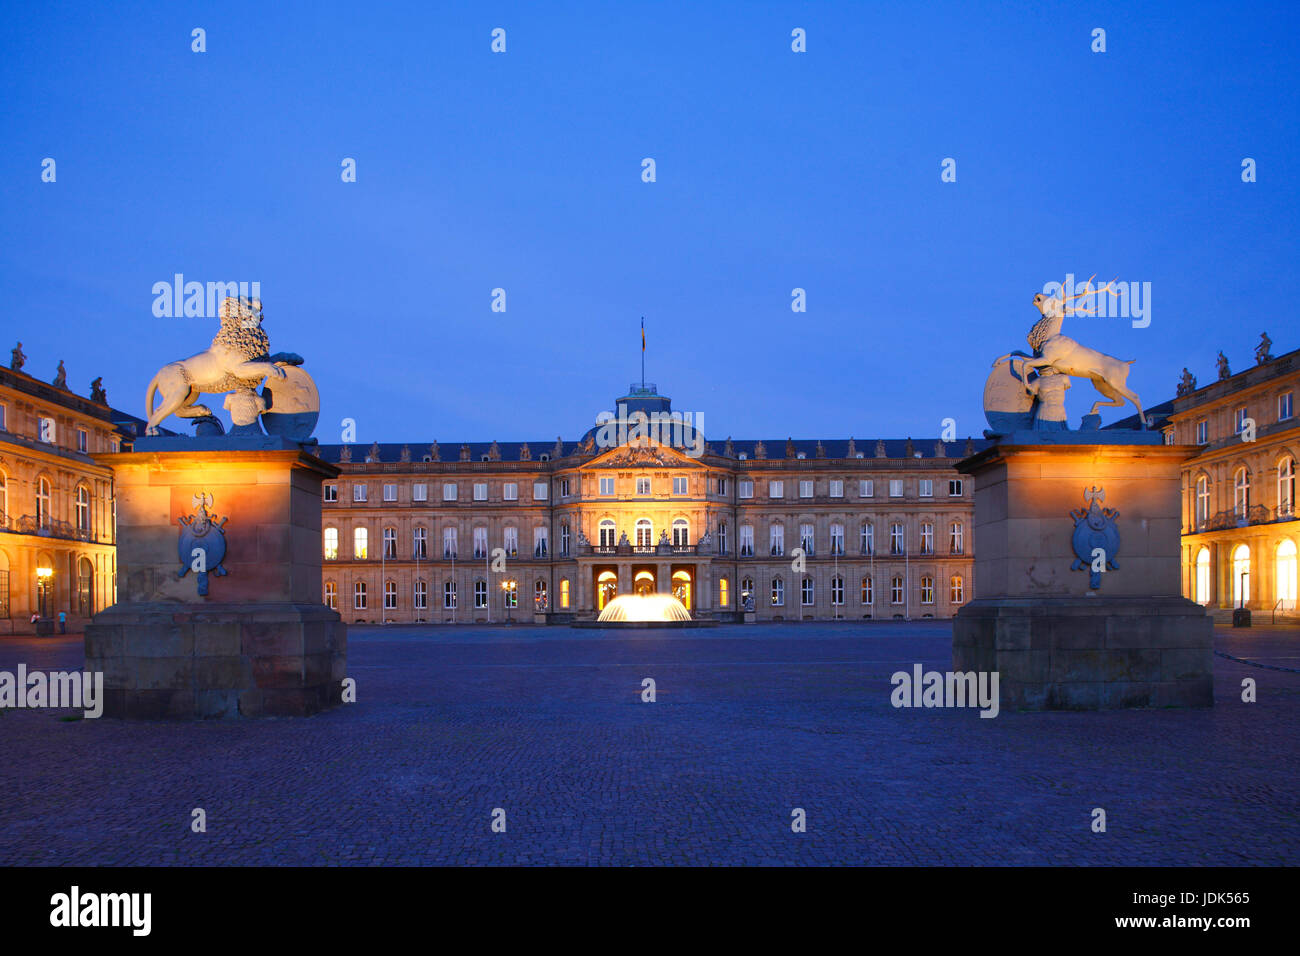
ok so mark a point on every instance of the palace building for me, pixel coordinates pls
(799, 529)
(1240, 531)
(57, 550)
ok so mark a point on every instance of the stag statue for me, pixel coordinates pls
(1060, 352)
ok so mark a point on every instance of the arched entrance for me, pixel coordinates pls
(643, 583)
(1203, 576)
(606, 588)
(1240, 575)
(1285, 566)
(682, 588)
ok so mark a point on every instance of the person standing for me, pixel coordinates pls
(63, 622)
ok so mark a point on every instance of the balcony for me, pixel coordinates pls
(1233, 518)
(50, 528)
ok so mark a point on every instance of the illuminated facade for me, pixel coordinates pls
(56, 505)
(806, 530)
(1240, 531)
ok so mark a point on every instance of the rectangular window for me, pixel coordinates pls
(806, 539)
(927, 538)
(331, 543)
(806, 592)
(390, 492)
(866, 488)
(776, 540)
(722, 537)
(927, 589)
(4, 417)
(679, 484)
(746, 489)
(420, 544)
(390, 544)
(868, 538)
(390, 595)
(1203, 432)
(541, 547)
(895, 487)
(895, 539)
(956, 538)
(480, 491)
(449, 542)
(480, 543)
(746, 541)
(45, 431)
(837, 539)
(643, 486)
(449, 595)
(954, 488)
(607, 486)
(776, 489)
(83, 440)
(925, 488)
(510, 492)
(1239, 420)
(359, 596)
(330, 492)
(722, 490)
(540, 490)
(896, 591)
(480, 594)
(564, 487)
(449, 491)
(360, 543)
(511, 541)
(421, 595)
(331, 595)
(837, 488)
(359, 492)
(805, 489)
(419, 491)
(1284, 406)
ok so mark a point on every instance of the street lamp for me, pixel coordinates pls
(507, 592)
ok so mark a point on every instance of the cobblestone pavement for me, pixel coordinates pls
(750, 722)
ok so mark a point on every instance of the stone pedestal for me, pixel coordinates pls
(260, 642)
(1056, 641)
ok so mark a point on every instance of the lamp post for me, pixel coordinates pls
(507, 591)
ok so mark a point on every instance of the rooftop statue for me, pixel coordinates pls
(1017, 395)
(238, 361)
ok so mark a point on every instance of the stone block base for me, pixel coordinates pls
(218, 660)
(1089, 653)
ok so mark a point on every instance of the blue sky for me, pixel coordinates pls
(522, 171)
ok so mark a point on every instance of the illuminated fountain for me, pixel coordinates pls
(643, 608)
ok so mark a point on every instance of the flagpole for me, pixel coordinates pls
(643, 353)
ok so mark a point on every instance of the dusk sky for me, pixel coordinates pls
(523, 171)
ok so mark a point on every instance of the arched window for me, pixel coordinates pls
(645, 533)
(1202, 498)
(868, 593)
(681, 533)
(360, 539)
(43, 503)
(1286, 487)
(83, 509)
(927, 589)
(331, 541)
(956, 589)
(1240, 492)
(539, 596)
(86, 586)
(1240, 575)
(1285, 567)
(1203, 576)
(606, 530)
(331, 595)
(778, 592)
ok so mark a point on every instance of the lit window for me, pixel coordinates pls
(724, 597)
(868, 595)
(360, 538)
(927, 589)
(390, 595)
(956, 592)
(331, 544)
(564, 593)
(778, 592)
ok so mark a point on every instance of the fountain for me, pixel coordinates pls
(647, 608)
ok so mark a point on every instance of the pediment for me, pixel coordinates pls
(643, 454)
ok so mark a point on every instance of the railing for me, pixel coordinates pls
(1235, 518)
(648, 549)
(50, 528)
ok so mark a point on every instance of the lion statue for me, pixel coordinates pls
(237, 359)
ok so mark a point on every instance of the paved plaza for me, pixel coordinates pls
(749, 723)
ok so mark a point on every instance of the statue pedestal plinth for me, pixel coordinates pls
(1056, 641)
(260, 642)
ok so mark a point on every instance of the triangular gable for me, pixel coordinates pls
(646, 453)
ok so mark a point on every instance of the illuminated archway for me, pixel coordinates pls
(606, 588)
(682, 588)
(1240, 575)
(643, 583)
(1203, 576)
(1285, 567)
